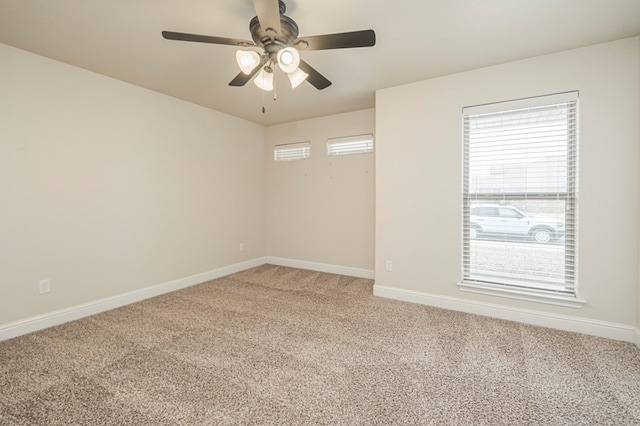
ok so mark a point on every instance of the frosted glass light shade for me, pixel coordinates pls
(247, 60)
(297, 77)
(264, 80)
(288, 59)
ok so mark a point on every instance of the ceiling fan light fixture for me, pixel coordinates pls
(264, 80)
(247, 60)
(288, 59)
(297, 77)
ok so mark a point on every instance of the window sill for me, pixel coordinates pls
(529, 295)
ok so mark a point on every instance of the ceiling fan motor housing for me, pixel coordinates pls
(271, 41)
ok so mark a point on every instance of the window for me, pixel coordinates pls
(361, 144)
(292, 151)
(520, 196)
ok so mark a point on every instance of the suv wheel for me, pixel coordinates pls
(473, 232)
(542, 235)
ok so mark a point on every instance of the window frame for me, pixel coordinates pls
(566, 296)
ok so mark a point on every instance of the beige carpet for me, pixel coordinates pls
(282, 346)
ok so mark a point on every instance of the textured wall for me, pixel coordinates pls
(321, 209)
(108, 188)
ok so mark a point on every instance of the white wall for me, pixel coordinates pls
(322, 209)
(106, 188)
(418, 175)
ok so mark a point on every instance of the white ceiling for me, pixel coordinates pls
(416, 40)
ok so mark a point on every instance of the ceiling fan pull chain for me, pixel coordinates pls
(275, 94)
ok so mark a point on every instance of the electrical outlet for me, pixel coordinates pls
(241, 246)
(44, 286)
(388, 265)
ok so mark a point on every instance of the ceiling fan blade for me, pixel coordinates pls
(268, 12)
(364, 38)
(242, 78)
(170, 35)
(316, 79)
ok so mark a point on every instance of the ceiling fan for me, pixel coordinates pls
(275, 37)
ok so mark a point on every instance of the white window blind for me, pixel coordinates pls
(520, 194)
(360, 144)
(292, 151)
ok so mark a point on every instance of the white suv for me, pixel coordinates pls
(497, 220)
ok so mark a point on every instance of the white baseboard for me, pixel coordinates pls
(39, 322)
(544, 319)
(321, 267)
